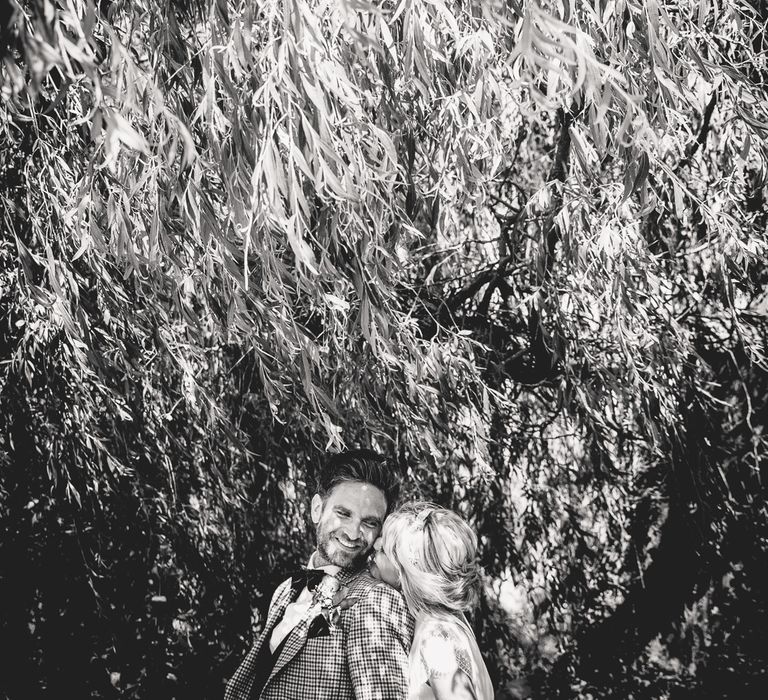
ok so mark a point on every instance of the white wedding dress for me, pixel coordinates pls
(440, 646)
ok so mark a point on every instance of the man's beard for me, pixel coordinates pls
(338, 557)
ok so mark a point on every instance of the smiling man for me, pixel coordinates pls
(333, 632)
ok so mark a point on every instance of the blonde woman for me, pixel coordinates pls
(428, 553)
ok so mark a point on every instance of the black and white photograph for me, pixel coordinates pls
(383, 349)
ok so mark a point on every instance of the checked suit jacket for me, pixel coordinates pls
(364, 658)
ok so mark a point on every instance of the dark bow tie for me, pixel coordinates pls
(306, 577)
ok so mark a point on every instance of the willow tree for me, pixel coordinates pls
(518, 245)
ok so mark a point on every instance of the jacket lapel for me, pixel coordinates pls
(294, 643)
(277, 611)
(297, 637)
(241, 683)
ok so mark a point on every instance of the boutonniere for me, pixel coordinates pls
(331, 598)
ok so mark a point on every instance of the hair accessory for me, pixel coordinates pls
(421, 518)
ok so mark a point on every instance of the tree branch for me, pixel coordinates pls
(701, 139)
(473, 287)
(557, 173)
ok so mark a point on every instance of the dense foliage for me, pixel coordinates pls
(519, 246)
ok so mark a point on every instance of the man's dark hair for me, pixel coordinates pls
(362, 465)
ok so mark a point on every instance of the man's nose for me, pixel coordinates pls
(352, 530)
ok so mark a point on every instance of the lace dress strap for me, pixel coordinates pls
(442, 649)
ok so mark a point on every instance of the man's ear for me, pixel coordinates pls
(316, 509)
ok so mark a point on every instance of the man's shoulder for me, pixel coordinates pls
(364, 584)
(281, 591)
(375, 597)
(285, 583)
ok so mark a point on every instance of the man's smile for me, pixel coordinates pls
(348, 547)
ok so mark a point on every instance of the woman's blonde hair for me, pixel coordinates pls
(434, 552)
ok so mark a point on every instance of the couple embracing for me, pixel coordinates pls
(378, 614)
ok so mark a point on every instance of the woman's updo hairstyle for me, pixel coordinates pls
(434, 551)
